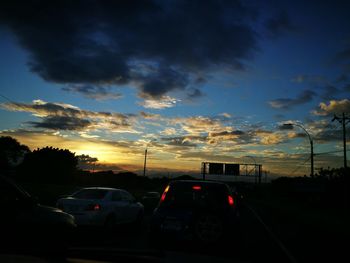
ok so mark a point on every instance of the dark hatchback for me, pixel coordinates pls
(28, 227)
(201, 210)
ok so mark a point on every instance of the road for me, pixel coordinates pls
(253, 242)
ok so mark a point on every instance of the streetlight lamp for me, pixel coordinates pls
(290, 125)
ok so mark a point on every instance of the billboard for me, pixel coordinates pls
(216, 168)
(231, 169)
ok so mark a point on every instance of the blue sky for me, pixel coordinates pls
(109, 79)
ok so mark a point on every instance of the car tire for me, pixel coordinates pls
(208, 228)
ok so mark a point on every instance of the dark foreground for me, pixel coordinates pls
(251, 243)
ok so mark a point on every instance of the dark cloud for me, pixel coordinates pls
(286, 126)
(61, 123)
(225, 133)
(288, 103)
(93, 92)
(158, 83)
(110, 42)
(194, 94)
(68, 117)
(279, 24)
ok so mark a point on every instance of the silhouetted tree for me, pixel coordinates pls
(11, 152)
(49, 164)
(86, 162)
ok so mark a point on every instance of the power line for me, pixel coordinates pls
(338, 151)
(6, 98)
(296, 169)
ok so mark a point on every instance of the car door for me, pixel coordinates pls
(131, 208)
(119, 206)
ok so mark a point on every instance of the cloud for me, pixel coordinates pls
(225, 115)
(169, 131)
(159, 103)
(60, 116)
(333, 107)
(226, 133)
(198, 124)
(93, 92)
(279, 25)
(61, 123)
(179, 141)
(288, 103)
(157, 46)
(150, 116)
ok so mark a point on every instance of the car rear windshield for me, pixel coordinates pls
(90, 194)
(192, 194)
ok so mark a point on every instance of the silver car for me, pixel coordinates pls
(101, 206)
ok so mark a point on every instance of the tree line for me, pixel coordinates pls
(49, 165)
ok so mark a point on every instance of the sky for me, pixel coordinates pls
(191, 81)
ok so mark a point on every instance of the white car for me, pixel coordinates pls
(101, 206)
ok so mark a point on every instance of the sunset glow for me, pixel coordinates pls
(186, 91)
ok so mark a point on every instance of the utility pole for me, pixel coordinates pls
(343, 120)
(144, 165)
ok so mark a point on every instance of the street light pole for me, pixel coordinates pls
(311, 144)
(144, 164)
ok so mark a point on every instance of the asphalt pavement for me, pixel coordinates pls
(252, 242)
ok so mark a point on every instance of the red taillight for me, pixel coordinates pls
(230, 200)
(164, 193)
(196, 187)
(97, 207)
(94, 207)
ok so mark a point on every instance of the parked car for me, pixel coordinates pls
(101, 206)
(27, 225)
(150, 200)
(201, 210)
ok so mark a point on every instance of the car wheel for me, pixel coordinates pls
(208, 228)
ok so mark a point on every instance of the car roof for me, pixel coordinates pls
(101, 188)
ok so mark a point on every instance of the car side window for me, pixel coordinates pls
(116, 196)
(127, 197)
